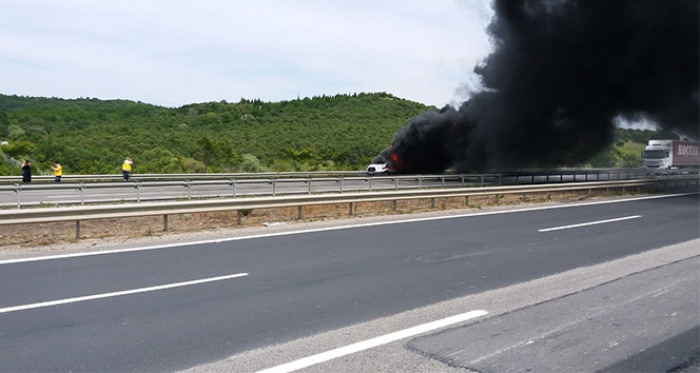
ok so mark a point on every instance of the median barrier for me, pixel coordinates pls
(79, 213)
(270, 184)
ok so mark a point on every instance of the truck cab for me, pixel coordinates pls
(657, 155)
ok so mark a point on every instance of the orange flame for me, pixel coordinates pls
(396, 159)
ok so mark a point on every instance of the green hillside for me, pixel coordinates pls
(91, 136)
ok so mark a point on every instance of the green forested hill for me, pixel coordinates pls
(91, 136)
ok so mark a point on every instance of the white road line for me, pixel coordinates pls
(589, 223)
(118, 293)
(354, 226)
(371, 343)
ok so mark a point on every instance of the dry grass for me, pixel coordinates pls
(51, 233)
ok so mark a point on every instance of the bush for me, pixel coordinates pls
(251, 164)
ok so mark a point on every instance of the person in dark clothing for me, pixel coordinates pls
(26, 172)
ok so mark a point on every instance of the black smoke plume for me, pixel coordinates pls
(560, 72)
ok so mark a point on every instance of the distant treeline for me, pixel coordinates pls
(91, 136)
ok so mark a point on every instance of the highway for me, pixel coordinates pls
(188, 306)
(70, 192)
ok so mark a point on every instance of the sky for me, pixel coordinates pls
(176, 52)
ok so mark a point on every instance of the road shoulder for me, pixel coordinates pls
(501, 302)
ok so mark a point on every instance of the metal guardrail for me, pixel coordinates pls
(47, 215)
(273, 181)
(319, 174)
(144, 177)
(235, 183)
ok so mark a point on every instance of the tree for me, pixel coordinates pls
(206, 150)
(19, 149)
(15, 132)
(604, 159)
(298, 157)
(217, 152)
(251, 164)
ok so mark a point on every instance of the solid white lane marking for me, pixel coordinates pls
(371, 343)
(589, 223)
(117, 293)
(266, 235)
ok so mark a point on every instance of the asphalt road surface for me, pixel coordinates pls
(185, 306)
(69, 193)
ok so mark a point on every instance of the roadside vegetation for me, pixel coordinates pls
(341, 132)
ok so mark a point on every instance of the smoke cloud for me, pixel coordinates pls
(560, 73)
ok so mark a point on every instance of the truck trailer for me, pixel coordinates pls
(671, 154)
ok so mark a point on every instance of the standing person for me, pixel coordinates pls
(57, 172)
(26, 172)
(126, 168)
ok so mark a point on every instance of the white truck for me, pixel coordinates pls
(671, 154)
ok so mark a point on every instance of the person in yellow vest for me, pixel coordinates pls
(57, 172)
(126, 168)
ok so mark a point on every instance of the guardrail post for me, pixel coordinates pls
(393, 205)
(500, 179)
(586, 177)
(239, 215)
(547, 180)
(137, 185)
(498, 198)
(396, 183)
(274, 186)
(350, 208)
(420, 182)
(590, 192)
(234, 183)
(18, 189)
(548, 196)
(462, 177)
(466, 200)
(77, 229)
(165, 223)
(341, 180)
(81, 187)
(299, 212)
(432, 203)
(370, 184)
(623, 189)
(443, 181)
(309, 181)
(532, 179)
(189, 190)
(524, 196)
(482, 180)
(597, 176)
